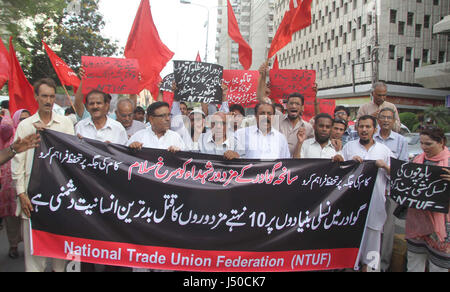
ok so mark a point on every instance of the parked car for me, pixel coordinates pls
(414, 148)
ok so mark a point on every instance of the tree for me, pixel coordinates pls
(70, 36)
(440, 116)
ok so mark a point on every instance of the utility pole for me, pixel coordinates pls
(376, 48)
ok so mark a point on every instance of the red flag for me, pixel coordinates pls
(302, 16)
(296, 18)
(276, 66)
(245, 51)
(283, 36)
(145, 45)
(65, 74)
(21, 93)
(198, 59)
(4, 64)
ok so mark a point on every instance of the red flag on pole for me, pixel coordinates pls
(302, 16)
(145, 45)
(198, 59)
(245, 51)
(4, 64)
(21, 92)
(296, 18)
(65, 74)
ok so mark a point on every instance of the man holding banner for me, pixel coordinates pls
(159, 135)
(21, 165)
(363, 149)
(263, 141)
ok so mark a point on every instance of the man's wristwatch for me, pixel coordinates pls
(11, 148)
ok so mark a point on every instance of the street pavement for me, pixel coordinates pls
(7, 264)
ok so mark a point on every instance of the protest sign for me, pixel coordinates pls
(108, 204)
(110, 75)
(167, 82)
(419, 186)
(198, 82)
(285, 82)
(242, 86)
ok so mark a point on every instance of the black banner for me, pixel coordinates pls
(198, 82)
(419, 186)
(108, 204)
(166, 84)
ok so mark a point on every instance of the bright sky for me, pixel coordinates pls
(180, 26)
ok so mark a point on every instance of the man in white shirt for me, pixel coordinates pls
(263, 141)
(321, 146)
(99, 126)
(366, 148)
(125, 116)
(21, 165)
(219, 141)
(158, 135)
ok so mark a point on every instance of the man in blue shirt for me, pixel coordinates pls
(399, 147)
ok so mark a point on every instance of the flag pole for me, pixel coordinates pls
(68, 97)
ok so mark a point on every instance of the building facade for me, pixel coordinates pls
(353, 43)
(255, 19)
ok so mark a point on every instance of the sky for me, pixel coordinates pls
(181, 27)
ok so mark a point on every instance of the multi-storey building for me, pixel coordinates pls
(255, 19)
(352, 43)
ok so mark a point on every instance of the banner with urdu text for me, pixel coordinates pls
(107, 204)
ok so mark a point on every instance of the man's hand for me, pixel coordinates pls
(337, 158)
(39, 126)
(26, 205)
(447, 175)
(173, 149)
(29, 142)
(358, 159)
(230, 155)
(337, 144)
(301, 135)
(136, 145)
(224, 92)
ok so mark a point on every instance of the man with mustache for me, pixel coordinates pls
(263, 141)
(290, 123)
(99, 126)
(21, 165)
(321, 146)
(366, 148)
(379, 94)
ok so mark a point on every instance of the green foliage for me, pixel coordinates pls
(70, 36)
(409, 119)
(440, 116)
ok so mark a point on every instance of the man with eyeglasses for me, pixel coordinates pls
(125, 116)
(158, 135)
(379, 95)
(292, 121)
(220, 140)
(399, 147)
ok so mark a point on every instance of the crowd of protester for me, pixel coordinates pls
(273, 132)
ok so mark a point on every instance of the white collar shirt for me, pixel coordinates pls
(149, 139)
(377, 213)
(256, 145)
(112, 131)
(312, 149)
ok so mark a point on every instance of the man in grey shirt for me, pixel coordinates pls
(399, 147)
(220, 140)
